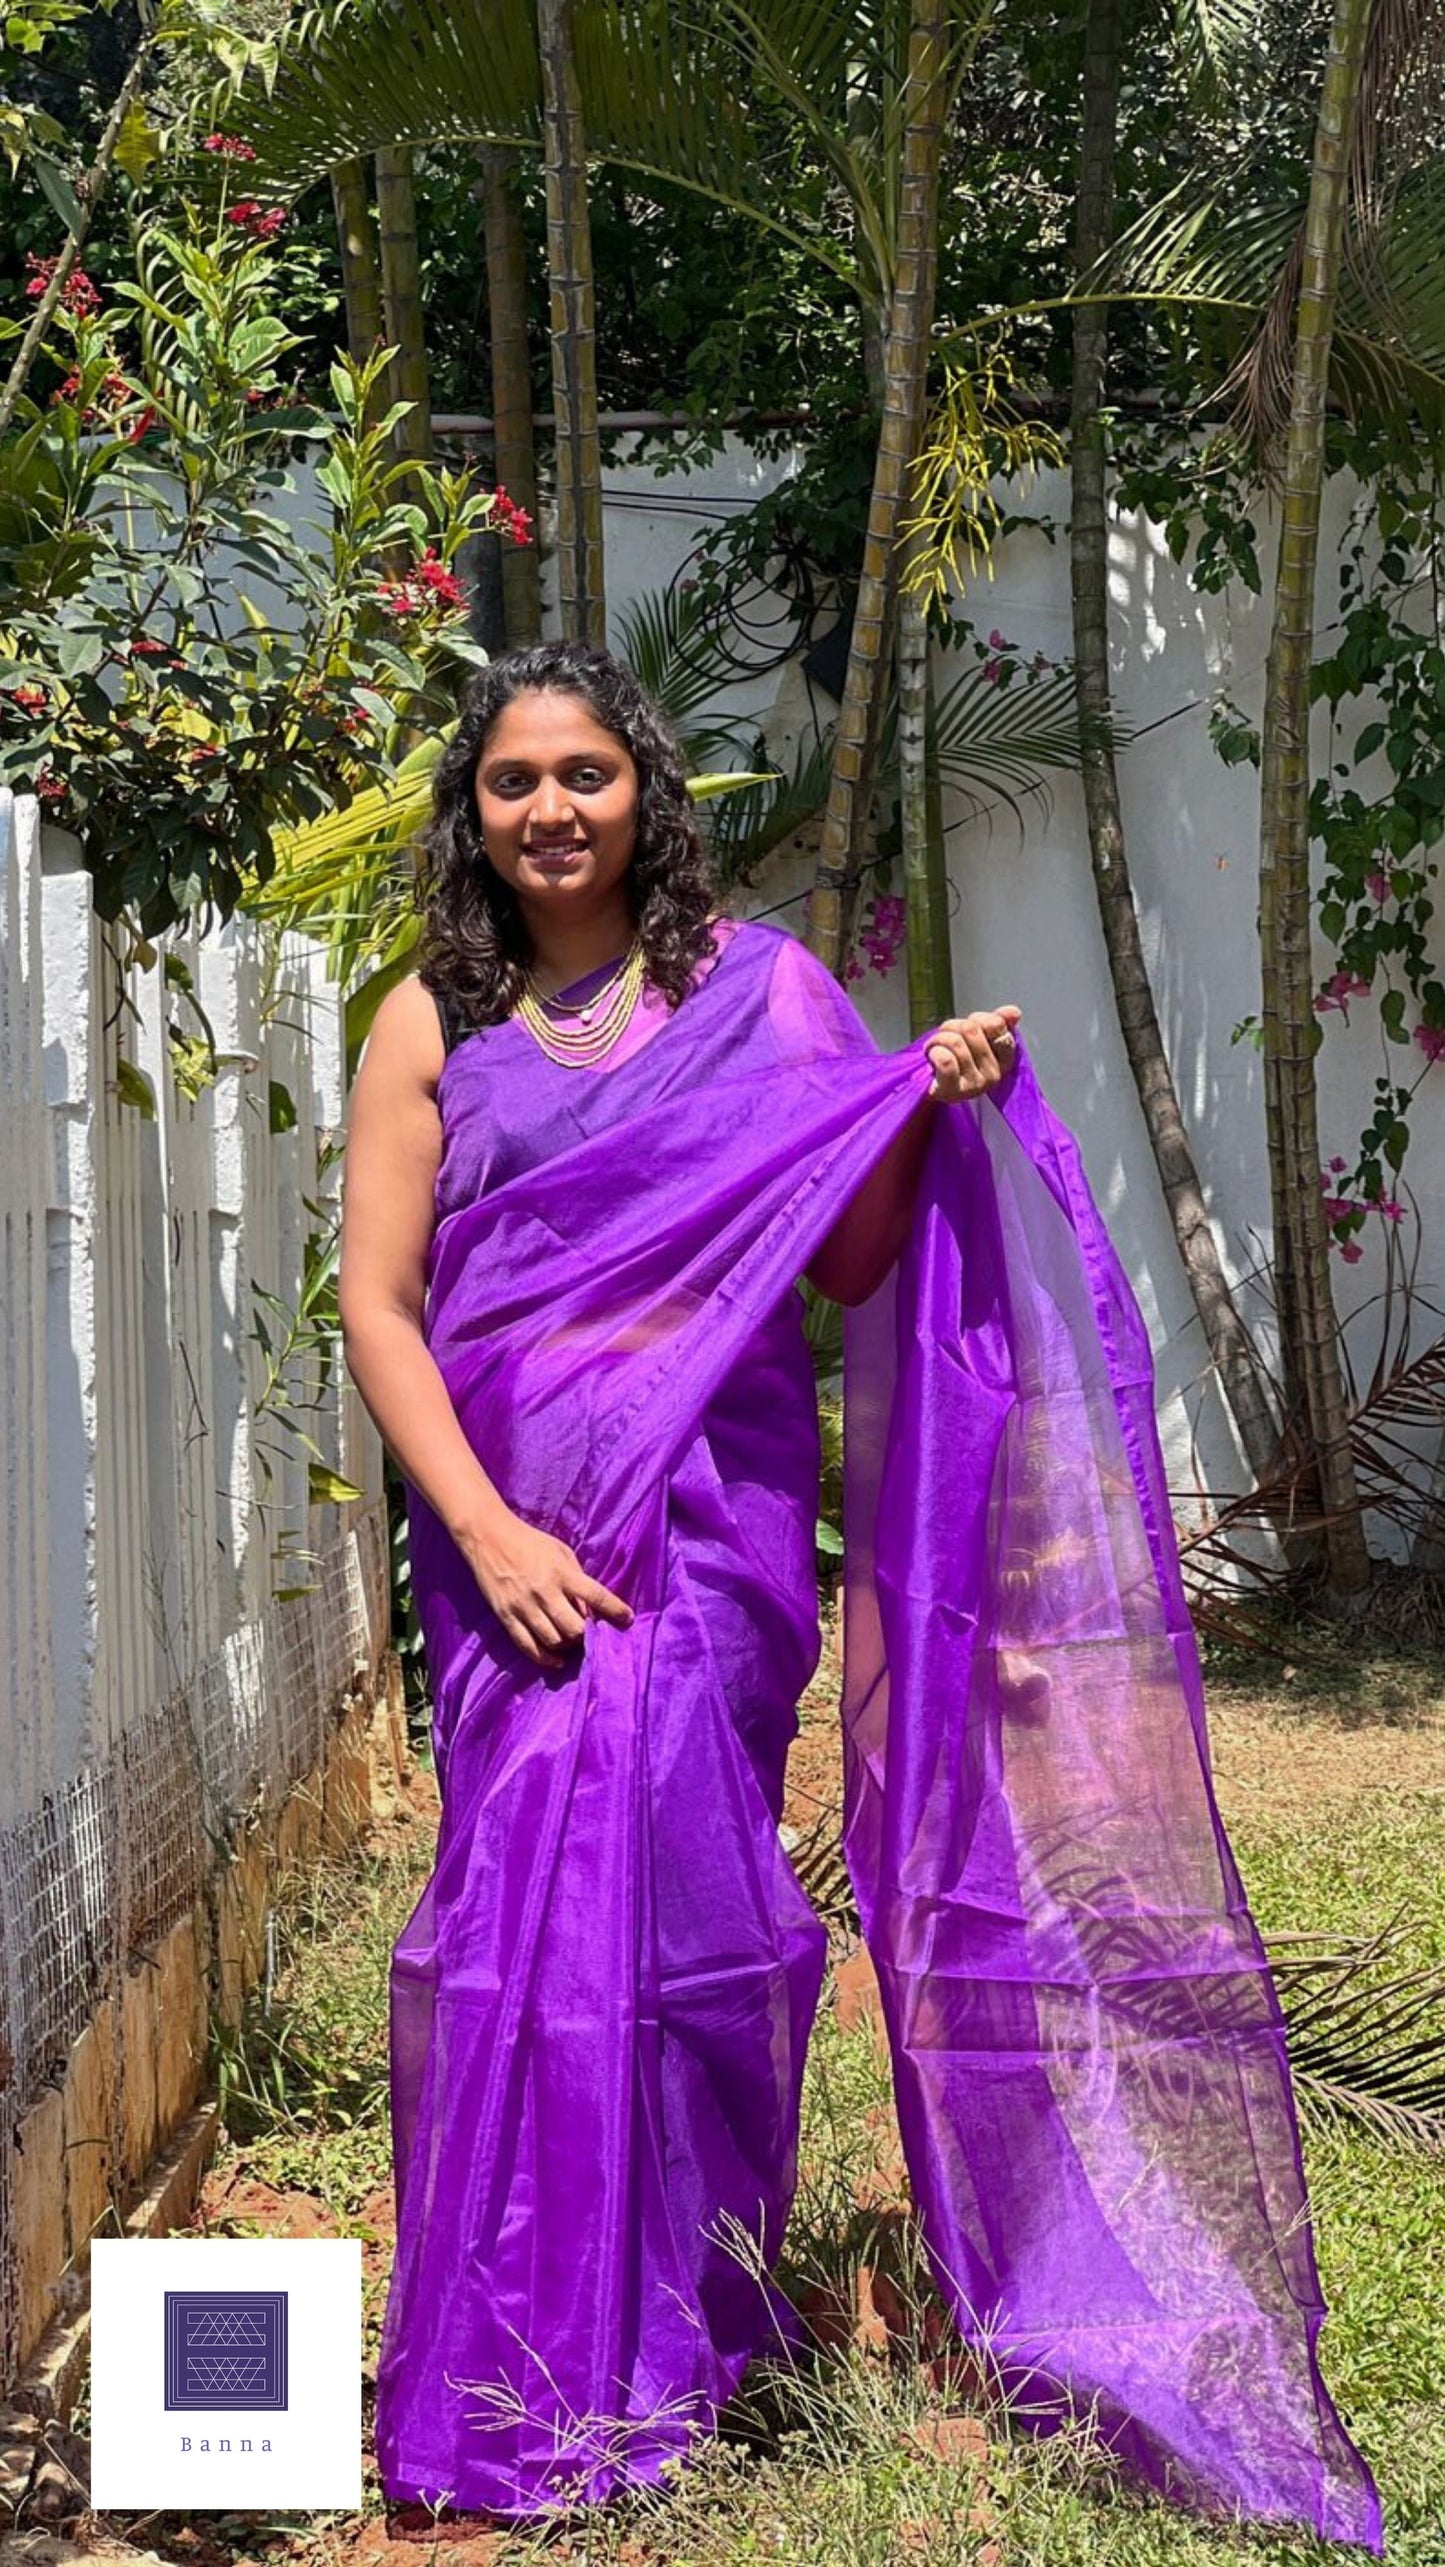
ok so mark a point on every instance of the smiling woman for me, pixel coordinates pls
(591, 1150)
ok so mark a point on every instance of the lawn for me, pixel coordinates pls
(1333, 1785)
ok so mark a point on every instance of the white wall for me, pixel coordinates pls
(1025, 926)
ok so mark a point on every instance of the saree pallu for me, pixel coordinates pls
(601, 2002)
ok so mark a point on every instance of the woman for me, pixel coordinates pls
(593, 1145)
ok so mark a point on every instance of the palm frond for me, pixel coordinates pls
(668, 94)
(995, 740)
(1219, 47)
(1366, 2037)
(669, 645)
(751, 825)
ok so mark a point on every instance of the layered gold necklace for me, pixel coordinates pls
(601, 1019)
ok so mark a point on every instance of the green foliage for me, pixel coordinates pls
(185, 668)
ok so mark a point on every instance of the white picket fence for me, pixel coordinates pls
(178, 1618)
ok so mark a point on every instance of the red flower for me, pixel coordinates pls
(203, 750)
(427, 583)
(506, 513)
(147, 419)
(261, 222)
(77, 295)
(230, 147)
(50, 788)
(31, 699)
(1431, 1040)
(431, 573)
(144, 650)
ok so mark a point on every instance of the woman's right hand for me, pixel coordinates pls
(538, 1589)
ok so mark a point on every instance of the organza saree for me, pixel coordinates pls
(601, 2002)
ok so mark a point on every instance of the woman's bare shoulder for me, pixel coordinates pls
(406, 1038)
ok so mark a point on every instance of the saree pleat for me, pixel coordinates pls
(601, 2003)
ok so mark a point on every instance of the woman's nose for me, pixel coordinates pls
(551, 804)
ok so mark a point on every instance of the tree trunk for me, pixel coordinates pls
(511, 382)
(905, 362)
(401, 299)
(1230, 1346)
(581, 597)
(925, 876)
(1309, 1336)
(360, 276)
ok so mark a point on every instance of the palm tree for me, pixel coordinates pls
(581, 596)
(907, 332)
(1240, 1375)
(1302, 1277)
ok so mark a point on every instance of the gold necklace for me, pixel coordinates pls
(585, 1008)
(573, 1048)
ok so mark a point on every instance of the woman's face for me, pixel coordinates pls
(557, 795)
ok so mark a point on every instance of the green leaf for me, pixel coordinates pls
(139, 145)
(282, 1107)
(134, 1088)
(326, 1487)
(60, 192)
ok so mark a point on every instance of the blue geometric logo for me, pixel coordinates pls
(225, 2349)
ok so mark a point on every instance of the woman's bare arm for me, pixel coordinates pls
(393, 1150)
(970, 1054)
(861, 1247)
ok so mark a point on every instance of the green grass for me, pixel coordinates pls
(822, 2468)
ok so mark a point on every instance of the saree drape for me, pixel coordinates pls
(601, 2002)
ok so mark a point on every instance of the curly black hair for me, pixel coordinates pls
(475, 945)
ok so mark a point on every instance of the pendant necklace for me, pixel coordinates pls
(602, 1018)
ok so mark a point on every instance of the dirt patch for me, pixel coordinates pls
(1272, 1760)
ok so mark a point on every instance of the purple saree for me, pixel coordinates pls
(601, 2002)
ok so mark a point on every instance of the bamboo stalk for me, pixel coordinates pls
(356, 239)
(515, 450)
(402, 299)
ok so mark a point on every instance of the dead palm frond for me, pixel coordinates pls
(1366, 2035)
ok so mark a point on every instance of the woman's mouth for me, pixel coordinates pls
(559, 858)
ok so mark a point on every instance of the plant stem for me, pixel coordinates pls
(89, 190)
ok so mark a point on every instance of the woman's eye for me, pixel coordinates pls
(589, 778)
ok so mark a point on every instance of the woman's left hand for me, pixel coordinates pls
(970, 1054)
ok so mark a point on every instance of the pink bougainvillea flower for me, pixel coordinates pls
(1339, 990)
(1390, 1207)
(992, 672)
(1431, 1041)
(996, 640)
(1337, 1166)
(230, 147)
(1350, 1250)
(1377, 884)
